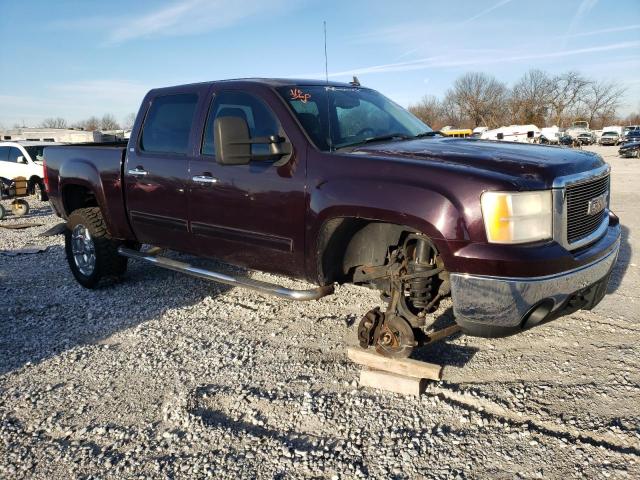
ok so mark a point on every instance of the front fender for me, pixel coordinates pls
(419, 208)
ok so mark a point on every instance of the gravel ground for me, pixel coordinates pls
(167, 376)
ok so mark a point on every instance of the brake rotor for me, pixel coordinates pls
(394, 337)
(367, 327)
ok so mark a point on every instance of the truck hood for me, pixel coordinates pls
(526, 165)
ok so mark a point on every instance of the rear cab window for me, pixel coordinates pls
(167, 126)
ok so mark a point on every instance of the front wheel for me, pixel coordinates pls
(91, 252)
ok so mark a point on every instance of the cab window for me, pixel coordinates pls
(168, 124)
(260, 119)
(14, 153)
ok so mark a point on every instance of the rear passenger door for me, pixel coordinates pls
(250, 215)
(156, 171)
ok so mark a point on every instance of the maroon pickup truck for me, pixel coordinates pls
(335, 183)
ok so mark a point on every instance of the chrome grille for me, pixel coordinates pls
(579, 223)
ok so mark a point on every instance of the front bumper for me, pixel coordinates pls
(491, 306)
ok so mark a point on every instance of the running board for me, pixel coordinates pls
(263, 287)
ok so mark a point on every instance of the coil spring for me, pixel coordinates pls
(421, 289)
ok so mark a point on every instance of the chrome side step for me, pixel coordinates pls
(264, 287)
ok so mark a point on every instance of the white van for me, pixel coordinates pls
(24, 159)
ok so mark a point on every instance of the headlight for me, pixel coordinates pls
(517, 217)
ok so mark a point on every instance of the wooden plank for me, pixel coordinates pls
(392, 382)
(400, 366)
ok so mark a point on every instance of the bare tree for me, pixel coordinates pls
(56, 122)
(451, 113)
(568, 91)
(632, 119)
(129, 120)
(429, 110)
(108, 122)
(530, 99)
(602, 101)
(481, 98)
(89, 124)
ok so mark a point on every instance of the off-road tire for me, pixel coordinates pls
(109, 266)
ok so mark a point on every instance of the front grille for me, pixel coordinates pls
(579, 223)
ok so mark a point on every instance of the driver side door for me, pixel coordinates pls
(250, 215)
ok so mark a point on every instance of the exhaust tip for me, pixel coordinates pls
(537, 314)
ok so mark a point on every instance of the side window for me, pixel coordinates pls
(261, 120)
(365, 116)
(14, 153)
(168, 124)
(4, 154)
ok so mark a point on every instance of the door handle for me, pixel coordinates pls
(138, 172)
(205, 179)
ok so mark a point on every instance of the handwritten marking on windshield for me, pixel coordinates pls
(297, 94)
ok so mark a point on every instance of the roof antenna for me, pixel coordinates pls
(355, 82)
(326, 62)
(326, 76)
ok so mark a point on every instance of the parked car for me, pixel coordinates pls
(334, 183)
(630, 148)
(569, 141)
(610, 138)
(586, 138)
(24, 159)
(630, 136)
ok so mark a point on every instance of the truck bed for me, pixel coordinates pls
(96, 169)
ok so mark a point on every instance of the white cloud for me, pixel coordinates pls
(604, 30)
(583, 10)
(473, 60)
(486, 11)
(186, 17)
(74, 101)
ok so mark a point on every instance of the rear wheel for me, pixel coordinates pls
(91, 252)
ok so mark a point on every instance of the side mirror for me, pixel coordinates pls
(232, 140)
(21, 159)
(233, 143)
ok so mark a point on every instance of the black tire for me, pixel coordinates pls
(20, 207)
(3, 212)
(40, 192)
(107, 264)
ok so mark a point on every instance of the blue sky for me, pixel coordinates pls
(79, 58)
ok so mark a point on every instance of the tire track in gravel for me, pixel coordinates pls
(487, 407)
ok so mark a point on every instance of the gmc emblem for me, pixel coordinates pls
(596, 205)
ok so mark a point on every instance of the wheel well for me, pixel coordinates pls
(345, 243)
(77, 196)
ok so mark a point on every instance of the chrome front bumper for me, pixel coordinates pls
(496, 306)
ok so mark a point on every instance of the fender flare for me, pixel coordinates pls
(419, 208)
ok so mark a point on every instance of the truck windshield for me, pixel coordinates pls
(338, 117)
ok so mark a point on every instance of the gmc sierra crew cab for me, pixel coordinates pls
(335, 183)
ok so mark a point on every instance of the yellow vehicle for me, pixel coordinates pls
(457, 132)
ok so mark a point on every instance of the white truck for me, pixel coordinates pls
(24, 159)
